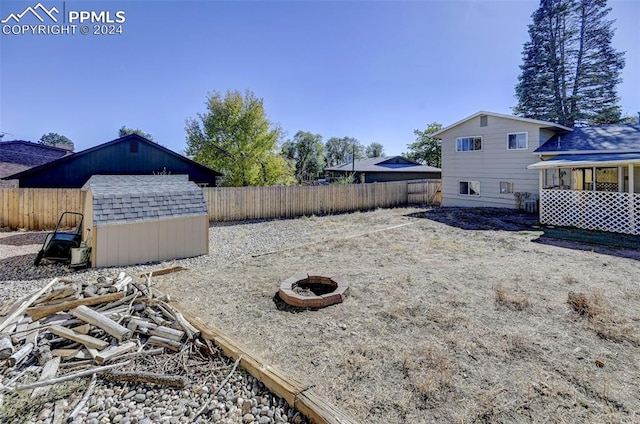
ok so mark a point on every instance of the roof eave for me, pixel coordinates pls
(542, 124)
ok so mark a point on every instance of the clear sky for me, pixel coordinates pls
(370, 70)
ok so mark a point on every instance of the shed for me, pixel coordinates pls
(144, 218)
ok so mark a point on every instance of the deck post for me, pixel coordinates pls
(632, 200)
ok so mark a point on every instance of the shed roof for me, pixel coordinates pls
(384, 164)
(599, 138)
(119, 199)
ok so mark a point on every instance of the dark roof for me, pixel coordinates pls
(384, 164)
(29, 154)
(119, 199)
(128, 137)
(602, 138)
(593, 159)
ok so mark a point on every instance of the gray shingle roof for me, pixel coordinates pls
(119, 199)
(384, 164)
(601, 138)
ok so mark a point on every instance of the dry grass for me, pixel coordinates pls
(505, 297)
(602, 317)
(442, 325)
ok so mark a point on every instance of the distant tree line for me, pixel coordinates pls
(235, 136)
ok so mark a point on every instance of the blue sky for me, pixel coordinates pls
(371, 70)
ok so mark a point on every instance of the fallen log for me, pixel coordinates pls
(20, 355)
(164, 271)
(167, 333)
(107, 324)
(6, 347)
(25, 305)
(64, 378)
(88, 341)
(162, 342)
(48, 371)
(39, 312)
(147, 377)
(114, 351)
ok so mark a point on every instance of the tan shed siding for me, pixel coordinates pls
(141, 242)
(491, 165)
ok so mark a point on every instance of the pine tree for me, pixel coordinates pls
(570, 70)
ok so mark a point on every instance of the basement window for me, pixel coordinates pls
(470, 188)
(506, 187)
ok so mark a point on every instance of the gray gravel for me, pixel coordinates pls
(227, 242)
(242, 400)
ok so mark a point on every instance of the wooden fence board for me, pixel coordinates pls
(40, 209)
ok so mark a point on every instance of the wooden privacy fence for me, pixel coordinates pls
(40, 208)
(427, 192)
(240, 203)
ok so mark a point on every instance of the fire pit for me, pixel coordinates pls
(313, 290)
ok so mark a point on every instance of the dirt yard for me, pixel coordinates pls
(452, 317)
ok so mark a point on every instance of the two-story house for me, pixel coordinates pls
(485, 158)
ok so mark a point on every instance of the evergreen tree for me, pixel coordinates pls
(570, 70)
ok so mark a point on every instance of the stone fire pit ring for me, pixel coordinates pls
(321, 290)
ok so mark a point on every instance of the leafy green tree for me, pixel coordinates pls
(374, 150)
(570, 70)
(337, 150)
(426, 149)
(126, 131)
(235, 137)
(52, 139)
(306, 151)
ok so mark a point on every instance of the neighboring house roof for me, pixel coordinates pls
(601, 138)
(19, 155)
(542, 124)
(383, 164)
(110, 165)
(119, 199)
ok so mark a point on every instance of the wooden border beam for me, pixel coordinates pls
(302, 397)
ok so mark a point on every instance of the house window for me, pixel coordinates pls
(133, 146)
(517, 141)
(483, 120)
(506, 187)
(467, 144)
(470, 188)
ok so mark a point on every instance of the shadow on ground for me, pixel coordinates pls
(23, 239)
(21, 268)
(502, 219)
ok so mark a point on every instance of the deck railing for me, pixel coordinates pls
(591, 210)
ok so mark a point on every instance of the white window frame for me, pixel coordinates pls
(526, 141)
(470, 137)
(468, 193)
(506, 187)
